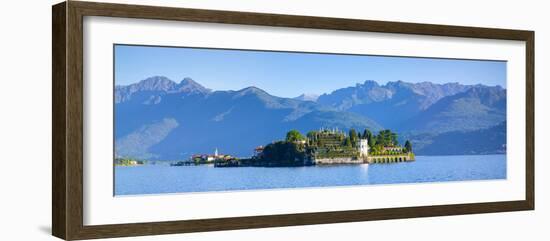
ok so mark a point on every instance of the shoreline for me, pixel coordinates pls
(169, 163)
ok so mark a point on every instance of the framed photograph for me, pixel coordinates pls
(172, 120)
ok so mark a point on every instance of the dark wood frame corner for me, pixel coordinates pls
(67, 123)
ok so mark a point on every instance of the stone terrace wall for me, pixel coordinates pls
(390, 158)
(338, 160)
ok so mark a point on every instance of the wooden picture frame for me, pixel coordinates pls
(67, 137)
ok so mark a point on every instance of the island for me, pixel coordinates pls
(128, 162)
(202, 159)
(326, 147)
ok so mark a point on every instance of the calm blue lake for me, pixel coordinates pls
(154, 179)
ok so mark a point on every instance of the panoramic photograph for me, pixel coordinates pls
(190, 120)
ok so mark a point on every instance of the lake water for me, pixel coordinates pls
(155, 179)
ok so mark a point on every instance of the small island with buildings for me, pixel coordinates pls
(200, 159)
(326, 147)
(125, 162)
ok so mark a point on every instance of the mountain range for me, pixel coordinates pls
(158, 118)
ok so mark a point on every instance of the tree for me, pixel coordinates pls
(293, 136)
(382, 138)
(367, 134)
(312, 135)
(387, 138)
(347, 142)
(353, 136)
(408, 146)
(393, 137)
(377, 149)
(283, 153)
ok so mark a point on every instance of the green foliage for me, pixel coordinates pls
(353, 137)
(330, 144)
(367, 134)
(377, 149)
(387, 138)
(347, 142)
(294, 135)
(128, 162)
(283, 153)
(353, 134)
(408, 146)
(197, 160)
(311, 135)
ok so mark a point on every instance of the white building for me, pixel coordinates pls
(363, 147)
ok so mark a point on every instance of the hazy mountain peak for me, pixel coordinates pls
(307, 97)
(399, 84)
(189, 85)
(487, 94)
(187, 80)
(369, 84)
(252, 90)
(155, 83)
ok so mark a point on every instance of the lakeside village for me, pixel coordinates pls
(322, 147)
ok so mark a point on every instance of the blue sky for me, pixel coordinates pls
(288, 74)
